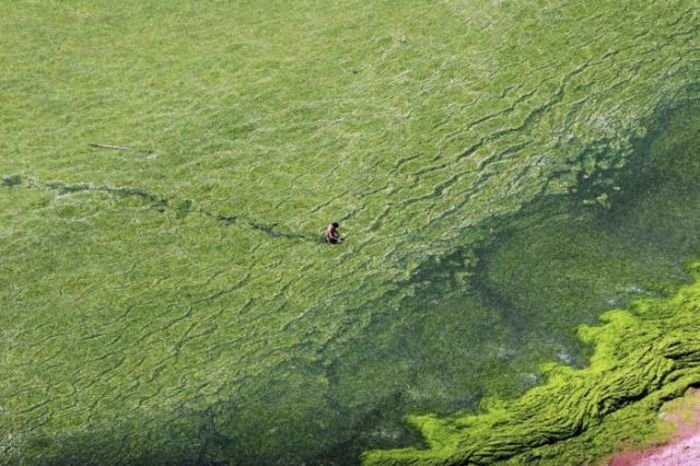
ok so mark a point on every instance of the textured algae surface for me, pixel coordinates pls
(644, 355)
(505, 172)
(552, 264)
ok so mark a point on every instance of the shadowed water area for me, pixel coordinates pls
(504, 172)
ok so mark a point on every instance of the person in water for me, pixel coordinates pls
(332, 235)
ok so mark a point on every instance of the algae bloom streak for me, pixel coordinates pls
(518, 183)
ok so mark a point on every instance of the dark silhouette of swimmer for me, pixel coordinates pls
(332, 235)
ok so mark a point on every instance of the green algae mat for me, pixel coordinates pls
(518, 183)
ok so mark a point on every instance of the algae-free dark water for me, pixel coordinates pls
(504, 172)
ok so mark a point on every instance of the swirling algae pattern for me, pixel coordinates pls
(650, 352)
(173, 303)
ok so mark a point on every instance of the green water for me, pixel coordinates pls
(481, 321)
(504, 172)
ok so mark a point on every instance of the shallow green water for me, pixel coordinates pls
(504, 173)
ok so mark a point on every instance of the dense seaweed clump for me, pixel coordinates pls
(644, 356)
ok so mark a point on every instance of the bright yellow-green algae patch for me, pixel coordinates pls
(644, 355)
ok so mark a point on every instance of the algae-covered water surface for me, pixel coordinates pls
(518, 187)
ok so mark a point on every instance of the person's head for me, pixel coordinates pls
(335, 224)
